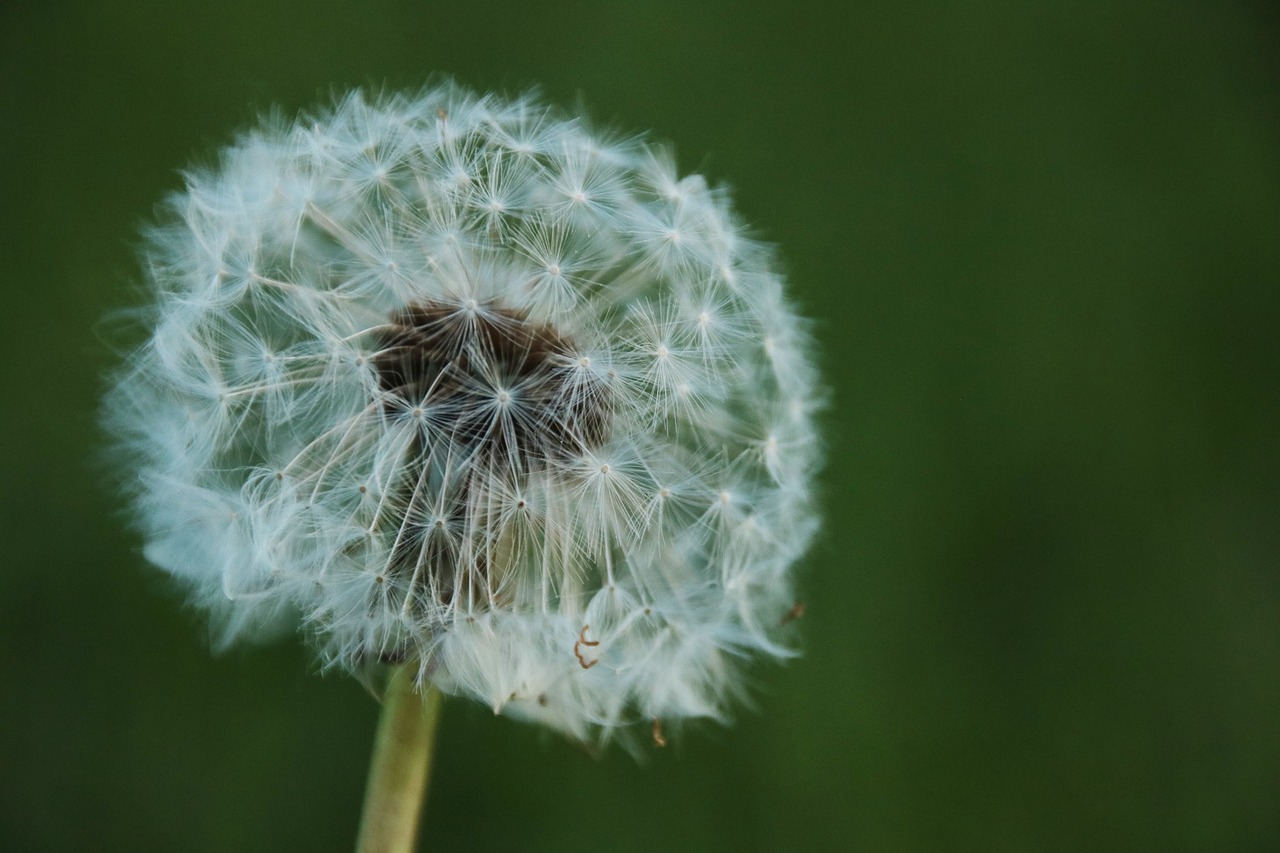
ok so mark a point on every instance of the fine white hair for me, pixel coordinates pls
(453, 378)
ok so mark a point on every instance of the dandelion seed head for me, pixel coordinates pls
(453, 378)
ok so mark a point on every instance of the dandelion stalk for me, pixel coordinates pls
(401, 764)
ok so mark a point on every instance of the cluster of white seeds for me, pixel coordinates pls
(453, 379)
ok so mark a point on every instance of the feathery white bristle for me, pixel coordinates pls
(452, 378)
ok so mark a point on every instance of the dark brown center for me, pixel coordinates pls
(503, 390)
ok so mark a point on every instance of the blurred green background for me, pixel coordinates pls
(1042, 243)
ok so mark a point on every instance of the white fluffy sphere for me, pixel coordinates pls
(454, 379)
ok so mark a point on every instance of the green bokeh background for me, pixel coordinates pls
(1042, 244)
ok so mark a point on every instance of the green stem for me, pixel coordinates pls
(401, 765)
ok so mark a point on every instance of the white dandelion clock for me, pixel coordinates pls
(453, 380)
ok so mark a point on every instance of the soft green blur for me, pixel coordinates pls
(1042, 245)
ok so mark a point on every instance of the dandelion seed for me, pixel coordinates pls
(447, 378)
